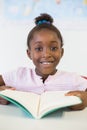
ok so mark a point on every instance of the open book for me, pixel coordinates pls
(40, 105)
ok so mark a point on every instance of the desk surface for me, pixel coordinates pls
(12, 118)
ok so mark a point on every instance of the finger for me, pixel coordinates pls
(12, 88)
(4, 102)
(73, 93)
(6, 87)
(79, 107)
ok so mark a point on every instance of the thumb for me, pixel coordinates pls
(6, 87)
(9, 87)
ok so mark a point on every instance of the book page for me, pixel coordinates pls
(27, 99)
(55, 100)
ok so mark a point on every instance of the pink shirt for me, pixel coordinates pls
(26, 79)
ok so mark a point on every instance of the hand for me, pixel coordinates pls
(6, 87)
(82, 95)
(3, 101)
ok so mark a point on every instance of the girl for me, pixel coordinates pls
(45, 49)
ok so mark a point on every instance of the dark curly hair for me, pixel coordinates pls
(44, 21)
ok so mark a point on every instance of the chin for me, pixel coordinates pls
(48, 72)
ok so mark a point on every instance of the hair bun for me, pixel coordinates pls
(43, 19)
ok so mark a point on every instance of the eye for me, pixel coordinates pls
(54, 48)
(38, 48)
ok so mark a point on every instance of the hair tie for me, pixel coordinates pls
(43, 21)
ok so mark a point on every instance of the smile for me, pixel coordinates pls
(46, 62)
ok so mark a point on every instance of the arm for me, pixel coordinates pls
(3, 87)
(1, 81)
(82, 95)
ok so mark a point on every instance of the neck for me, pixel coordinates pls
(45, 76)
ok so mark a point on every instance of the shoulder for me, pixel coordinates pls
(19, 72)
(69, 75)
(65, 73)
(23, 70)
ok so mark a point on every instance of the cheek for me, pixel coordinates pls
(35, 57)
(57, 55)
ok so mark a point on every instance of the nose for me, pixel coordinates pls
(46, 53)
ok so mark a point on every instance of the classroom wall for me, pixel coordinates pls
(16, 20)
(13, 47)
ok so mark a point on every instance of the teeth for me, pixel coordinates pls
(46, 63)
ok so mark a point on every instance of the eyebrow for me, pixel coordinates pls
(54, 41)
(50, 41)
(38, 42)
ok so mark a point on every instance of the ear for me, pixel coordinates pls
(62, 52)
(29, 53)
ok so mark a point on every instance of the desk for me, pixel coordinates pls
(12, 118)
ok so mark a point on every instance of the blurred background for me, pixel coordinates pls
(17, 19)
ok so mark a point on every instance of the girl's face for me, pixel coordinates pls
(45, 51)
